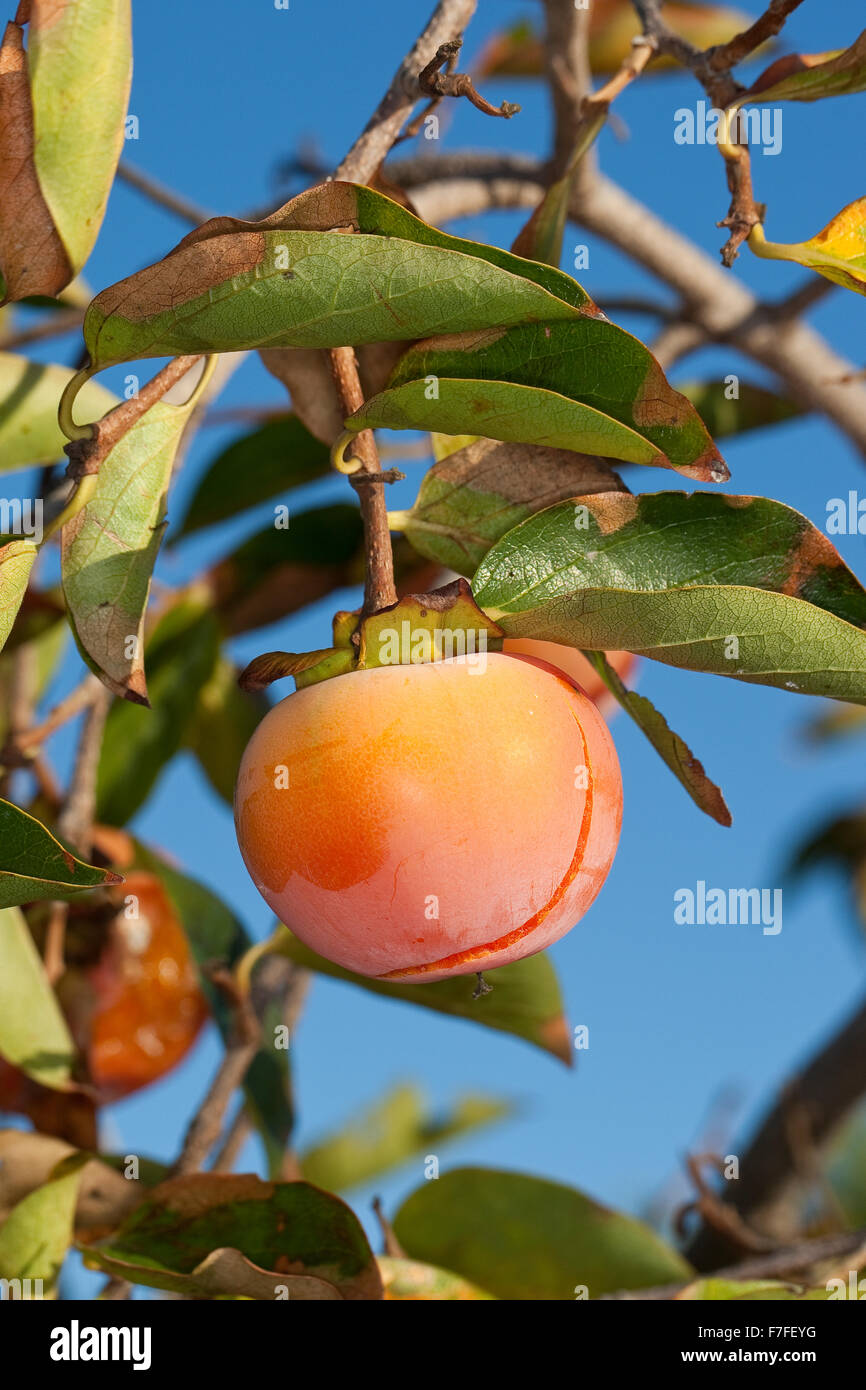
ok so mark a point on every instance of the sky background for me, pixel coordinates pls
(678, 1015)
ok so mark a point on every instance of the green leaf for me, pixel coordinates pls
(181, 656)
(214, 934)
(471, 497)
(291, 281)
(33, 1032)
(750, 1291)
(526, 1238)
(277, 571)
(411, 1281)
(279, 455)
(809, 76)
(585, 385)
(670, 747)
(753, 408)
(211, 1235)
(738, 586)
(80, 61)
(222, 725)
(110, 545)
(30, 392)
(525, 1000)
(16, 562)
(389, 1133)
(37, 1233)
(34, 865)
(838, 252)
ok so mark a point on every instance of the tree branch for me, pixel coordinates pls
(781, 1264)
(812, 1102)
(716, 302)
(448, 21)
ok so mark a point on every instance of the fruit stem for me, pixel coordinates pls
(379, 589)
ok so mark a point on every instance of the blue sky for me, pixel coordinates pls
(676, 1014)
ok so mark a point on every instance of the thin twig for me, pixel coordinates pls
(449, 19)
(793, 1259)
(75, 821)
(70, 706)
(724, 56)
(207, 1123)
(379, 589)
(822, 1094)
(65, 321)
(161, 195)
(435, 83)
(464, 185)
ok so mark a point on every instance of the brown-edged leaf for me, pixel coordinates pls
(671, 748)
(209, 1234)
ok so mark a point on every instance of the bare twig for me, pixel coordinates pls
(86, 455)
(64, 321)
(435, 83)
(795, 1259)
(161, 195)
(721, 305)
(724, 56)
(70, 706)
(448, 20)
(770, 1168)
(76, 816)
(390, 1244)
(712, 69)
(205, 1127)
(235, 1138)
(379, 589)
(54, 954)
(566, 58)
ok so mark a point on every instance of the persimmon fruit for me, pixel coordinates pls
(575, 665)
(416, 822)
(134, 1010)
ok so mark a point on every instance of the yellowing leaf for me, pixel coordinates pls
(109, 546)
(62, 107)
(838, 252)
(30, 391)
(33, 1034)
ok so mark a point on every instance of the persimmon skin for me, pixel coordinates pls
(148, 1008)
(575, 665)
(133, 1014)
(418, 822)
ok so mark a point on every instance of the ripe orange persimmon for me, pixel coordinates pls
(575, 665)
(134, 1011)
(416, 822)
(147, 1008)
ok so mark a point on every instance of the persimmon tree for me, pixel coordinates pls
(525, 541)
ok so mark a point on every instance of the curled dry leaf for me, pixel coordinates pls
(62, 108)
(306, 374)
